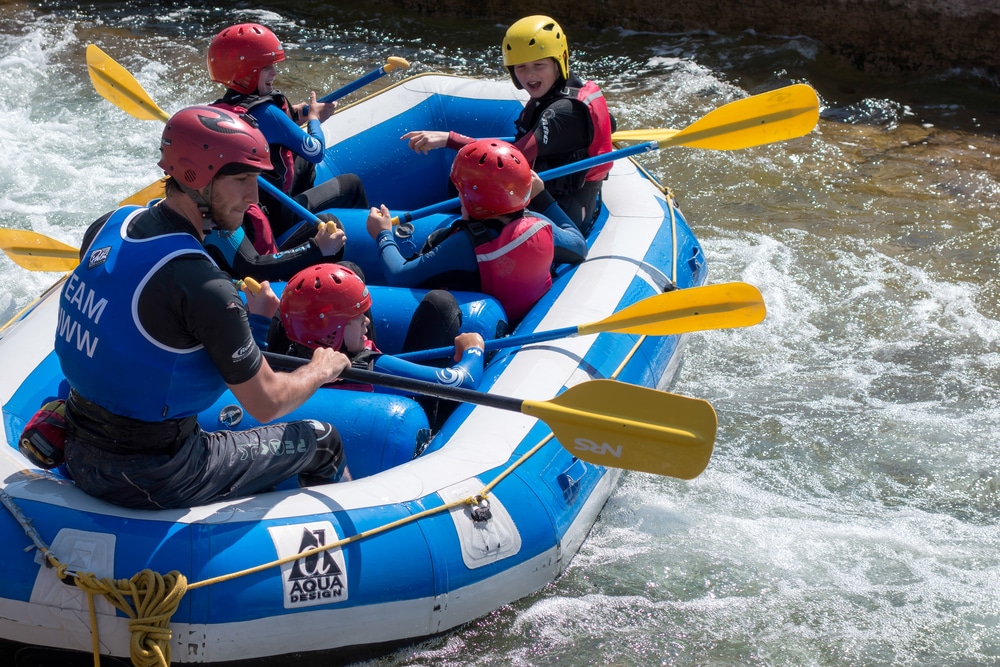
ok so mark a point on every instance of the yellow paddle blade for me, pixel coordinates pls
(722, 306)
(154, 190)
(657, 135)
(37, 252)
(781, 114)
(622, 425)
(604, 422)
(115, 84)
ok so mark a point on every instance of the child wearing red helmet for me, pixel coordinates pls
(328, 305)
(497, 247)
(243, 58)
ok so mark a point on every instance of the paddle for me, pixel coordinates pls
(114, 83)
(778, 115)
(117, 85)
(644, 135)
(37, 252)
(628, 135)
(391, 63)
(604, 422)
(155, 190)
(722, 306)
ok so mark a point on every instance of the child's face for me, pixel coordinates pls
(265, 84)
(354, 334)
(538, 76)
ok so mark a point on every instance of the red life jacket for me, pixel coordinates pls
(589, 95)
(592, 97)
(263, 237)
(284, 166)
(515, 267)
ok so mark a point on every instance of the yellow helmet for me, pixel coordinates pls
(533, 38)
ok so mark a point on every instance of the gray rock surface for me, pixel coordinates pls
(884, 37)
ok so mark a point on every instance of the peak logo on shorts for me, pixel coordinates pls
(318, 577)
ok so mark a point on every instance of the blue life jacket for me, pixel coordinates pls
(103, 349)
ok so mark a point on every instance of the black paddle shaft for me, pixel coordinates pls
(407, 384)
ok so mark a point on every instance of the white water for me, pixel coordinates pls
(850, 513)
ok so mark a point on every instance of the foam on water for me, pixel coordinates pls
(37, 178)
(849, 514)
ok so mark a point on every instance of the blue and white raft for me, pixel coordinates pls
(432, 533)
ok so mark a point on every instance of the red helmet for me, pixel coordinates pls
(199, 141)
(319, 301)
(492, 177)
(238, 54)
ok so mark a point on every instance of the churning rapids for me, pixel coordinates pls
(851, 512)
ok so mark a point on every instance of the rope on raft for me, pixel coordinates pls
(155, 598)
(150, 599)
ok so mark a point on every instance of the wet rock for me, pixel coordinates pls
(907, 37)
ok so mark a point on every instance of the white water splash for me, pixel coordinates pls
(849, 514)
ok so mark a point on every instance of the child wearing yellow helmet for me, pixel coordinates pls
(565, 119)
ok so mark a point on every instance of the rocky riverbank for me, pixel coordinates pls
(884, 37)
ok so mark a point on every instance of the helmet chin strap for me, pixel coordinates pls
(207, 221)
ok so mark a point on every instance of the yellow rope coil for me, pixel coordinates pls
(154, 599)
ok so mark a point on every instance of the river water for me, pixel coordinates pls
(851, 512)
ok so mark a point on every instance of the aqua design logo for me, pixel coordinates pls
(317, 578)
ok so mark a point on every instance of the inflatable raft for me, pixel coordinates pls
(436, 529)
